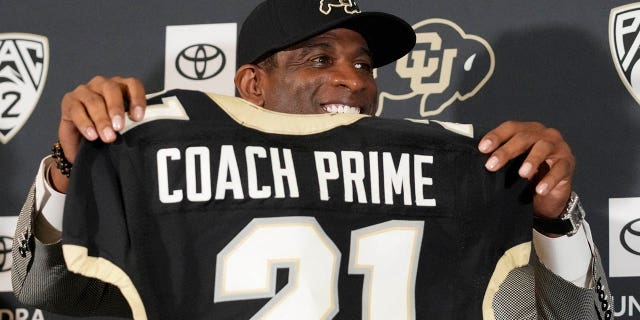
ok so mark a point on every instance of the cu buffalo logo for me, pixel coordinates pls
(446, 65)
(630, 237)
(200, 61)
(624, 42)
(6, 244)
(349, 6)
(24, 61)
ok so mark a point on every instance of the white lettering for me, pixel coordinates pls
(20, 314)
(193, 174)
(162, 157)
(37, 315)
(623, 30)
(422, 181)
(324, 173)
(9, 52)
(255, 192)
(353, 175)
(627, 309)
(228, 174)
(279, 173)
(6, 312)
(351, 166)
(374, 177)
(633, 305)
(396, 180)
(623, 307)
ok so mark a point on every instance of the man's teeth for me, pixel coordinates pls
(340, 108)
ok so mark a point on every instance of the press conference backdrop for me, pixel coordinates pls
(570, 64)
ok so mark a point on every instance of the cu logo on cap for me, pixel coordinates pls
(349, 6)
(630, 237)
(5, 252)
(200, 61)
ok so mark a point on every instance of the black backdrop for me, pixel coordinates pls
(552, 61)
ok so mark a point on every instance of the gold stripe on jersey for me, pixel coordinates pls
(516, 257)
(79, 261)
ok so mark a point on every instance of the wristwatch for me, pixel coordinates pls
(569, 221)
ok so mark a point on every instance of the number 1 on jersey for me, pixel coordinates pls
(387, 254)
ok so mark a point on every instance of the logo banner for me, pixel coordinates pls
(201, 57)
(624, 237)
(624, 41)
(446, 65)
(24, 62)
(7, 229)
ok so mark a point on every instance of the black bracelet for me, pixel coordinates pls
(61, 161)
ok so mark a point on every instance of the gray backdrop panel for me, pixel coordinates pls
(552, 64)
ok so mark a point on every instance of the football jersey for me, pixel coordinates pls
(214, 208)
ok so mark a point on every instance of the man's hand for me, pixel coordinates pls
(549, 162)
(96, 110)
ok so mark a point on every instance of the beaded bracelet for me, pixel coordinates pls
(61, 161)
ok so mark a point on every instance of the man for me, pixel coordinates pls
(313, 57)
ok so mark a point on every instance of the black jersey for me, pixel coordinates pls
(213, 208)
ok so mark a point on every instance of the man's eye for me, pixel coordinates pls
(321, 60)
(363, 66)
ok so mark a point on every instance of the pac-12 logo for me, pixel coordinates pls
(624, 42)
(446, 65)
(24, 61)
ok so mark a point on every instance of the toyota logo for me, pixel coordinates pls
(630, 237)
(5, 252)
(200, 61)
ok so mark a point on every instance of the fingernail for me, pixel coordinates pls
(485, 145)
(91, 133)
(542, 188)
(525, 170)
(138, 113)
(491, 163)
(108, 133)
(116, 121)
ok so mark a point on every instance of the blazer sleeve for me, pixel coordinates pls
(41, 279)
(557, 298)
(533, 292)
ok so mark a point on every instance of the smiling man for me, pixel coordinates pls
(306, 67)
(331, 72)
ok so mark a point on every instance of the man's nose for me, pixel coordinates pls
(346, 75)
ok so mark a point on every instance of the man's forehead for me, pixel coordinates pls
(329, 38)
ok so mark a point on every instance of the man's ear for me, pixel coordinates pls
(248, 81)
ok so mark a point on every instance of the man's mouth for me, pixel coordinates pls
(340, 108)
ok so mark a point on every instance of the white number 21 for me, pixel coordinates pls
(386, 254)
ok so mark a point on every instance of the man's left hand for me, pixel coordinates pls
(549, 162)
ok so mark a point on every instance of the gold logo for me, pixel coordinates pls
(349, 6)
(446, 65)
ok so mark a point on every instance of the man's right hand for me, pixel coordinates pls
(96, 110)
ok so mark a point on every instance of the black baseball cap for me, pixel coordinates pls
(278, 24)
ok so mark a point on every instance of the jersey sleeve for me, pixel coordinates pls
(95, 230)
